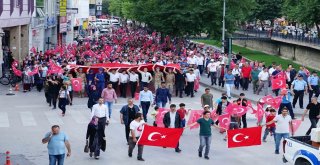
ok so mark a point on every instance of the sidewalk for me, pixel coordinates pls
(206, 82)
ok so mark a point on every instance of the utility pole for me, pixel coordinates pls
(223, 26)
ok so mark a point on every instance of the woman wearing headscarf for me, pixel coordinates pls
(93, 95)
(27, 79)
(95, 138)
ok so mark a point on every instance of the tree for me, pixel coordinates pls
(115, 7)
(105, 7)
(304, 11)
(267, 10)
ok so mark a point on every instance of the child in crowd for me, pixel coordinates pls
(154, 114)
(182, 113)
(270, 115)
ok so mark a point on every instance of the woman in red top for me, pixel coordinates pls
(271, 127)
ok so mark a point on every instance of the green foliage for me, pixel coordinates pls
(183, 17)
(105, 7)
(267, 9)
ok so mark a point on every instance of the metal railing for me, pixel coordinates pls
(299, 38)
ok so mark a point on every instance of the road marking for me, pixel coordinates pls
(79, 117)
(4, 120)
(53, 118)
(27, 119)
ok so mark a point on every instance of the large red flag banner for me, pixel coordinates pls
(164, 137)
(244, 137)
(295, 124)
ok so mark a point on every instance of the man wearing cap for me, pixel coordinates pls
(298, 87)
(100, 79)
(313, 83)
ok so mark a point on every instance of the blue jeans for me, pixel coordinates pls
(205, 141)
(183, 123)
(161, 104)
(109, 104)
(145, 105)
(266, 132)
(56, 159)
(279, 136)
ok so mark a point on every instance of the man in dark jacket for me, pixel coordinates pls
(127, 115)
(162, 96)
(172, 120)
(244, 102)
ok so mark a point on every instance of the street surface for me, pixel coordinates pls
(25, 118)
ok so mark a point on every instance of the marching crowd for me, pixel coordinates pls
(158, 85)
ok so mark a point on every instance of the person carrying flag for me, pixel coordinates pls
(136, 127)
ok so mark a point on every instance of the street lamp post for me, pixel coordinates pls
(223, 25)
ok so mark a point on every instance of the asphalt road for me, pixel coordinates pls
(25, 118)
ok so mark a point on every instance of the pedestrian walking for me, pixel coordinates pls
(236, 72)
(95, 138)
(212, 71)
(146, 77)
(245, 75)
(64, 99)
(221, 72)
(270, 128)
(57, 142)
(109, 96)
(205, 134)
(100, 110)
(127, 115)
(179, 82)
(136, 127)
(283, 124)
(229, 80)
(100, 80)
(162, 96)
(314, 113)
(190, 78)
(183, 113)
(114, 77)
(207, 99)
(286, 101)
(298, 88)
(313, 85)
(255, 78)
(54, 87)
(263, 81)
(170, 79)
(171, 119)
(145, 100)
(158, 77)
(243, 102)
(93, 96)
(133, 81)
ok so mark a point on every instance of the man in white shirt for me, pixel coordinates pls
(114, 77)
(190, 78)
(200, 62)
(133, 80)
(192, 60)
(283, 124)
(123, 81)
(100, 110)
(146, 77)
(145, 100)
(263, 81)
(212, 71)
(136, 127)
(236, 71)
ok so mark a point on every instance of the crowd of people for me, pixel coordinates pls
(157, 86)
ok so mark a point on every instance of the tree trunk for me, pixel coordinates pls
(318, 29)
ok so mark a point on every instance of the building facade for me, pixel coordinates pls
(15, 17)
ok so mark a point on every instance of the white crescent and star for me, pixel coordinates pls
(155, 133)
(224, 120)
(234, 138)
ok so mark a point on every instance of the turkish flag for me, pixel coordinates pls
(239, 110)
(259, 112)
(214, 115)
(224, 121)
(295, 124)
(76, 84)
(136, 96)
(194, 116)
(16, 71)
(267, 100)
(34, 71)
(278, 83)
(244, 137)
(33, 50)
(276, 102)
(164, 137)
(160, 115)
